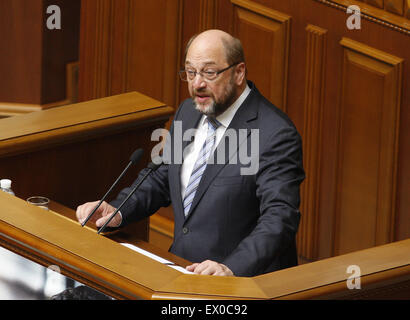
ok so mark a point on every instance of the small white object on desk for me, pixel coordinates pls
(157, 258)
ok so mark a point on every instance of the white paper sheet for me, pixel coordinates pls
(156, 258)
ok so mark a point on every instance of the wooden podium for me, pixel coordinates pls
(70, 154)
(103, 263)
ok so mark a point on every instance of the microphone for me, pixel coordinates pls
(135, 157)
(152, 166)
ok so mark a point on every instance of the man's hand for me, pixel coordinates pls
(209, 267)
(102, 214)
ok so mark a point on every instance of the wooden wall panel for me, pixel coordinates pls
(407, 9)
(265, 37)
(367, 162)
(394, 6)
(34, 60)
(129, 45)
(313, 115)
(15, 61)
(60, 48)
(208, 14)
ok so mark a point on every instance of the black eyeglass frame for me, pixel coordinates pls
(216, 73)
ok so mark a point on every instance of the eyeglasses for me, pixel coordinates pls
(189, 75)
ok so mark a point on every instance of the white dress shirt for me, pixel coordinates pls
(191, 154)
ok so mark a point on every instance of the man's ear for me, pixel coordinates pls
(240, 73)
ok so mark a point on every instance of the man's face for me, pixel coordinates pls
(210, 97)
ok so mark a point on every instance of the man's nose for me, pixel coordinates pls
(198, 82)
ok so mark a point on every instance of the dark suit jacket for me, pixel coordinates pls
(247, 222)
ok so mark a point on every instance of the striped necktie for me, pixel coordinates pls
(200, 164)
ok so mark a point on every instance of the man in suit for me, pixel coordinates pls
(228, 221)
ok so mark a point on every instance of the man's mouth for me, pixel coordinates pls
(201, 98)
